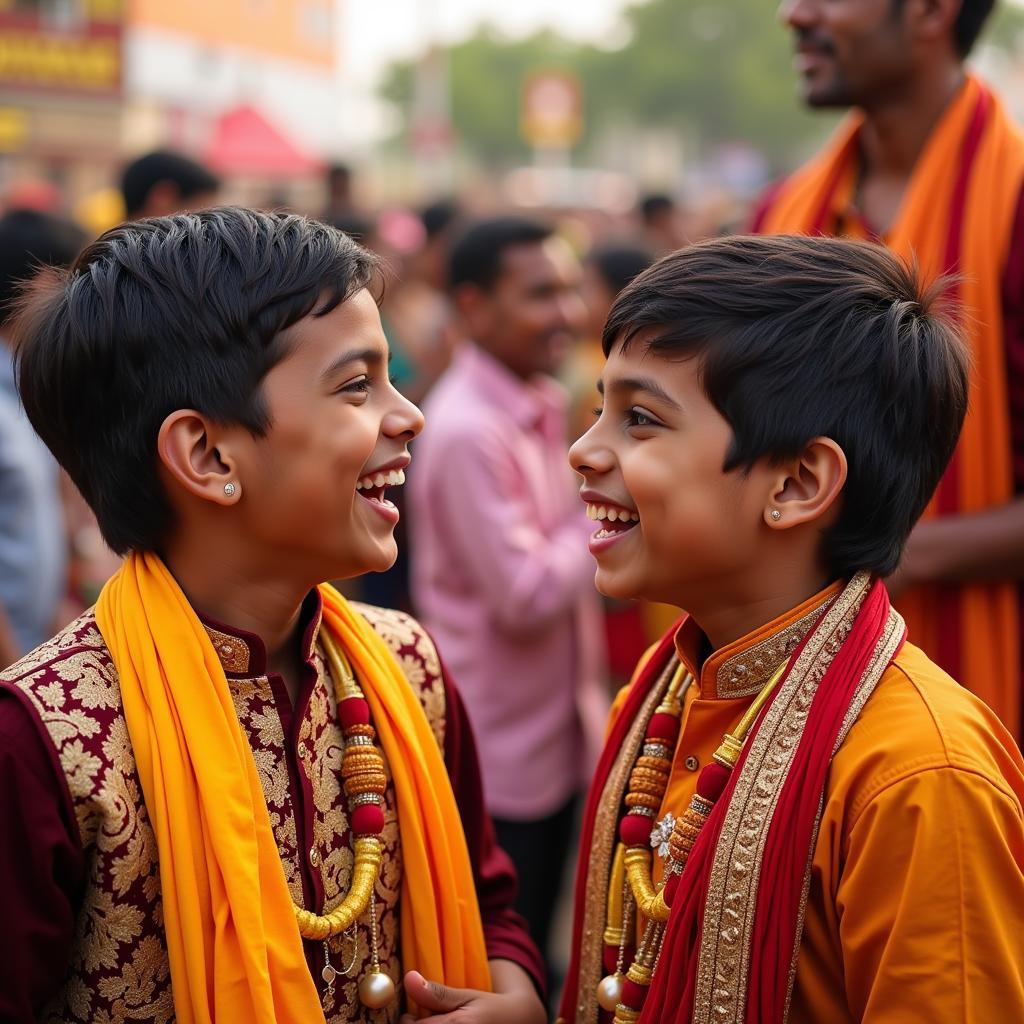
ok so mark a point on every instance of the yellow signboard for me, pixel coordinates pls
(552, 109)
(59, 61)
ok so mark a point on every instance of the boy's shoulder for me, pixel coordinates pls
(417, 657)
(74, 659)
(920, 720)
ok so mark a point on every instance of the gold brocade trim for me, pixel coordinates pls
(232, 651)
(885, 651)
(599, 863)
(745, 674)
(724, 955)
(417, 657)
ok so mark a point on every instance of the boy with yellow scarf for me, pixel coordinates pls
(228, 794)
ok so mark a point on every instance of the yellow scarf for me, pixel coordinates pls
(234, 947)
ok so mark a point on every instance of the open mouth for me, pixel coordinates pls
(373, 486)
(615, 520)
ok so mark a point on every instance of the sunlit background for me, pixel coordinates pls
(582, 105)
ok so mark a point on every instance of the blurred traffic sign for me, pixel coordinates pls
(551, 114)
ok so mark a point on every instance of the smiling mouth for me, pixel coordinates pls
(615, 519)
(373, 486)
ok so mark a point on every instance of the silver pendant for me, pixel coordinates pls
(660, 835)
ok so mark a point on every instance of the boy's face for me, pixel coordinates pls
(335, 421)
(684, 528)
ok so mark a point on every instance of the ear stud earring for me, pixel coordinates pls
(775, 514)
(229, 489)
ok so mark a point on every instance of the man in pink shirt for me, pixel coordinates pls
(500, 566)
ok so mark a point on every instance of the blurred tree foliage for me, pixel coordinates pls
(713, 71)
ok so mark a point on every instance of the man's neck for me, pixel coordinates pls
(896, 130)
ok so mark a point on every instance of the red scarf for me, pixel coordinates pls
(870, 635)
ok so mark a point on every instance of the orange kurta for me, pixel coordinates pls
(916, 906)
(957, 215)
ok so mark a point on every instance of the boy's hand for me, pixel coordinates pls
(513, 1001)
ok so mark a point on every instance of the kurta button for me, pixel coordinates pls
(692, 764)
(314, 857)
(303, 751)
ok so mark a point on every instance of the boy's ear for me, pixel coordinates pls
(807, 488)
(197, 459)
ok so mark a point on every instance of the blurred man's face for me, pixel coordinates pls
(533, 314)
(848, 52)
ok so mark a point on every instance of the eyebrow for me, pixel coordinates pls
(366, 355)
(652, 387)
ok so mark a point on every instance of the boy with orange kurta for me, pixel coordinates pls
(836, 825)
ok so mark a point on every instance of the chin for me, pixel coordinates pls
(382, 560)
(828, 96)
(614, 585)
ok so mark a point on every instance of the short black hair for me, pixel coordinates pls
(30, 239)
(969, 23)
(476, 256)
(617, 265)
(654, 205)
(970, 20)
(162, 314)
(143, 174)
(802, 337)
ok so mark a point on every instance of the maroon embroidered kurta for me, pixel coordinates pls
(79, 881)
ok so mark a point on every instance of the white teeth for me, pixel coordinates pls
(393, 478)
(613, 515)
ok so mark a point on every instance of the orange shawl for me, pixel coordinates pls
(232, 939)
(956, 216)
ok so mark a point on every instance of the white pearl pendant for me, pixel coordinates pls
(376, 990)
(609, 992)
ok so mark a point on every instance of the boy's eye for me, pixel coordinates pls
(598, 412)
(359, 386)
(638, 418)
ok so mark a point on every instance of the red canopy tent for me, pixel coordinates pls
(244, 143)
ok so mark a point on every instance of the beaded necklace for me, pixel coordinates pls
(365, 782)
(632, 895)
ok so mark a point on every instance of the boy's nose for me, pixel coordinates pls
(405, 419)
(589, 456)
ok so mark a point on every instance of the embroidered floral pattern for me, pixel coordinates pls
(119, 970)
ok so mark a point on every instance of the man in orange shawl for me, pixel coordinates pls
(227, 794)
(797, 815)
(930, 164)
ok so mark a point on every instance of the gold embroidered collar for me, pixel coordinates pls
(242, 653)
(742, 668)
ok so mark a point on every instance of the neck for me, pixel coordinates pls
(752, 604)
(896, 128)
(240, 597)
